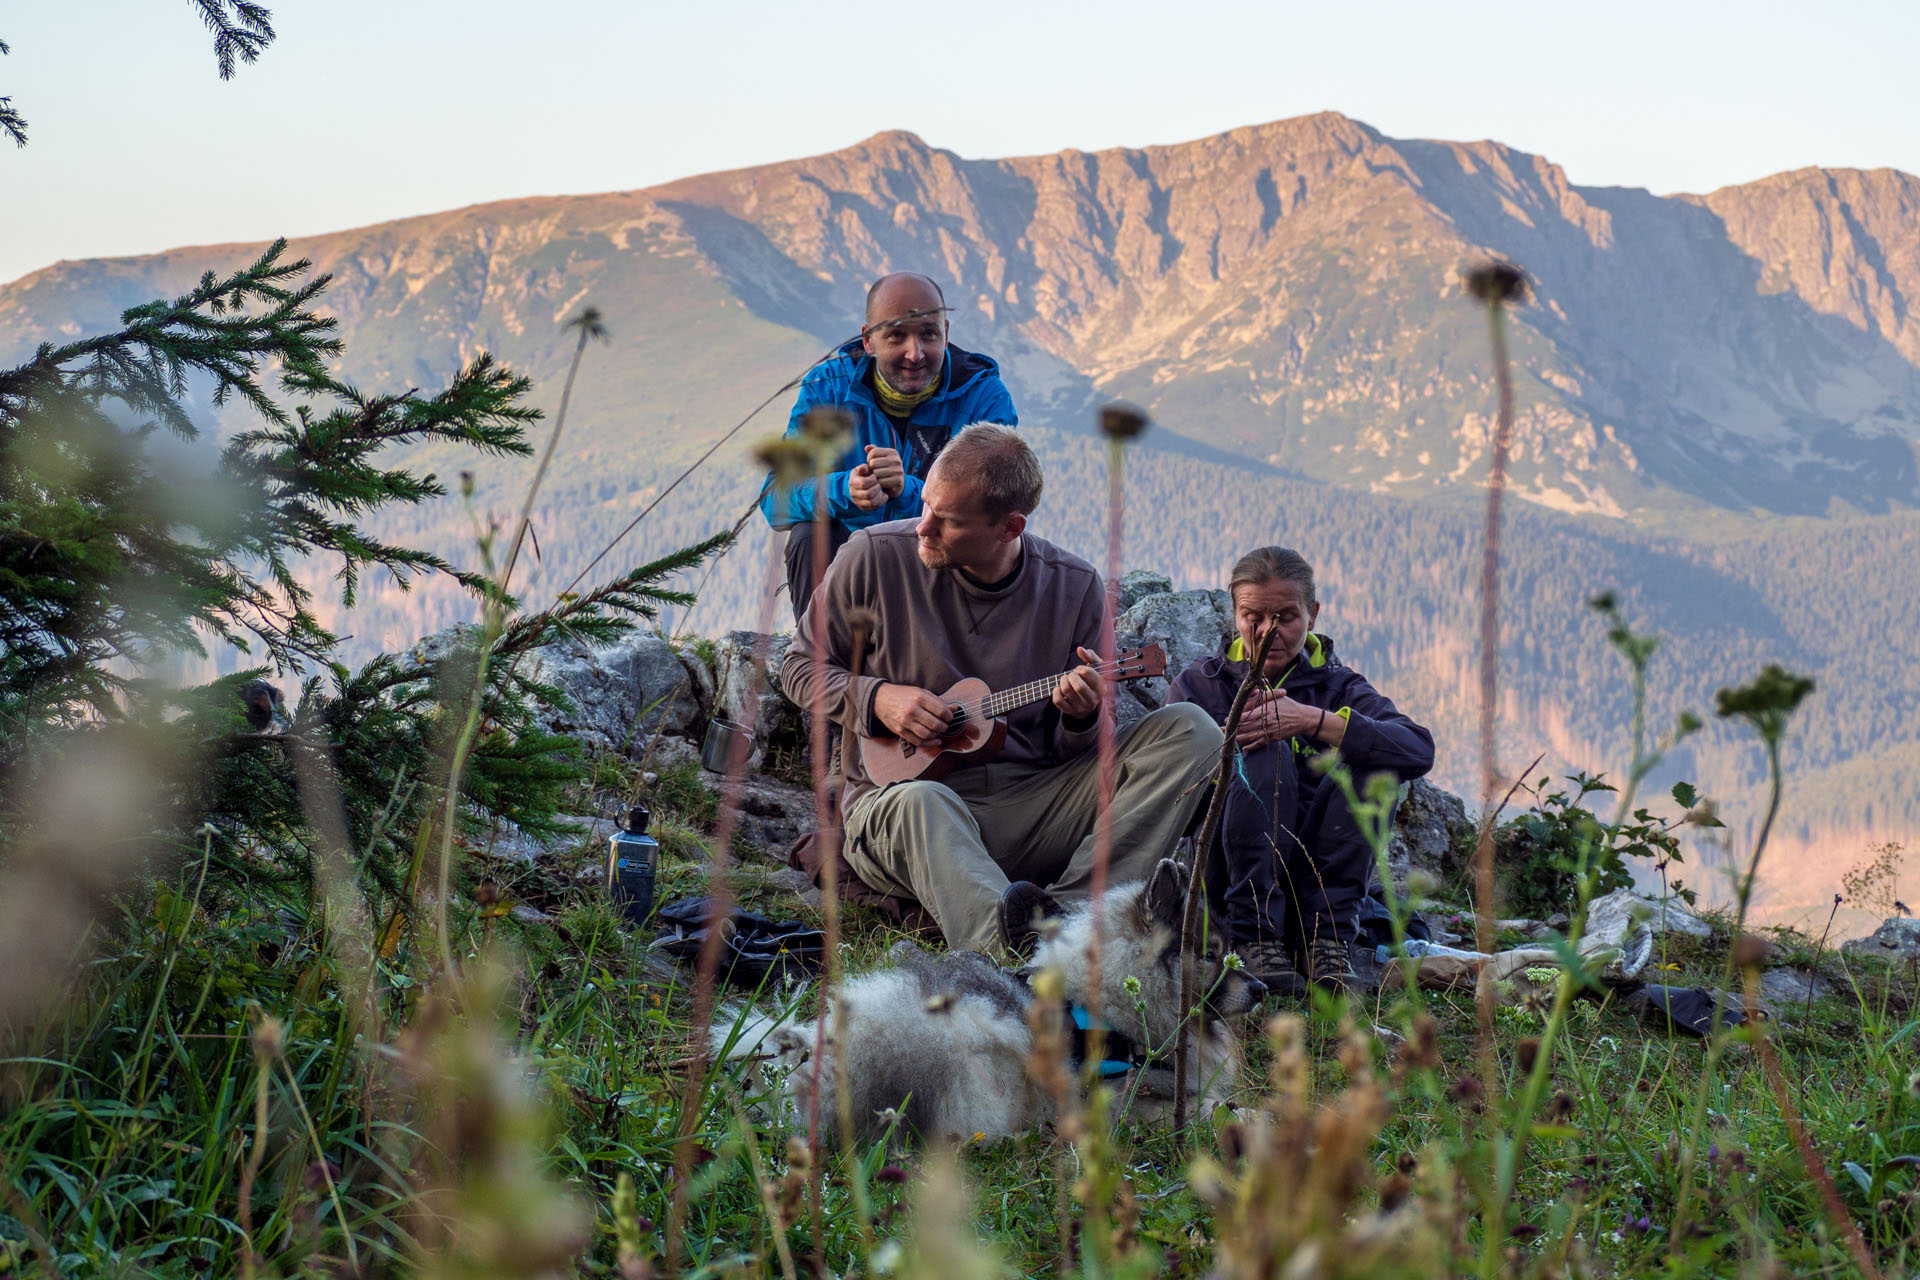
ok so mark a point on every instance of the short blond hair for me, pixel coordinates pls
(1000, 467)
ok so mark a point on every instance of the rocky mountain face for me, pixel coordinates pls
(1283, 295)
(1283, 299)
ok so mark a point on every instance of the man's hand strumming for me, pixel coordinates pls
(911, 714)
(1078, 693)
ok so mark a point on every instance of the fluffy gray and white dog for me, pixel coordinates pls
(939, 1042)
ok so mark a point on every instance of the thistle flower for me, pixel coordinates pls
(1495, 282)
(1766, 701)
(589, 323)
(828, 428)
(788, 457)
(1749, 951)
(1121, 421)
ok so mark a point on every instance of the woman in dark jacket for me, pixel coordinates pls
(1296, 864)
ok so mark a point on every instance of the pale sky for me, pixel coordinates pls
(365, 110)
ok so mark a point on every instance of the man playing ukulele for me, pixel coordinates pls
(965, 591)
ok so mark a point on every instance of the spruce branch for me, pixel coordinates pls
(239, 37)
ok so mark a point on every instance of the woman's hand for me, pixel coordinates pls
(1271, 716)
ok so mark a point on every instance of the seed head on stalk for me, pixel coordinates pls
(1495, 284)
(1119, 422)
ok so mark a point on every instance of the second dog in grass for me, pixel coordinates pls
(939, 1043)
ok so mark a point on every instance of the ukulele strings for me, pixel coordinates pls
(995, 705)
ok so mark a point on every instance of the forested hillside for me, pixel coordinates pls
(1718, 401)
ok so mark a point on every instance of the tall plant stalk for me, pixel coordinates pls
(1203, 849)
(1495, 284)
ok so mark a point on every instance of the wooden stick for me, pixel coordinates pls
(1190, 913)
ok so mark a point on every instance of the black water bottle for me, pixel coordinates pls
(631, 861)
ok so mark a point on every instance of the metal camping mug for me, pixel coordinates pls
(721, 732)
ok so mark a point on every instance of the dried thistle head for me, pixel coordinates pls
(1422, 1048)
(590, 324)
(1121, 421)
(828, 428)
(1526, 1053)
(1356, 1054)
(788, 457)
(1749, 951)
(1494, 282)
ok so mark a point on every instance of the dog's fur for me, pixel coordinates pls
(940, 1041)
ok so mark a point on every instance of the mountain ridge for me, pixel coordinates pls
(1708, 388)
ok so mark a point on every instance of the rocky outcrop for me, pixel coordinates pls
(1187, 624)
(1897, 939)
(623, 694)
(746, 668)
(1430, 826)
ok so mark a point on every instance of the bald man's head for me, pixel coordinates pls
(893, 296)
(906, 331)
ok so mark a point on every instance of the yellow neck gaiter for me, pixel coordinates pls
(898, 404)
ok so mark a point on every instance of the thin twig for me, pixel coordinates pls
(1209, 829)
(719, 908)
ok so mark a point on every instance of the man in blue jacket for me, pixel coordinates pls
(909, 391)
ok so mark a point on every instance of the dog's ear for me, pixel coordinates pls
(1167, 894)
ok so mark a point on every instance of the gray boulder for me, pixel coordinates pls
(1897, 938)
(1426, 827)
(623, 694)
(1786, 986)
(1187, 624)
(746, 690)
(1137, 584)
(772, 813)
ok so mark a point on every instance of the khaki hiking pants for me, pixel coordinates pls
(955, 845)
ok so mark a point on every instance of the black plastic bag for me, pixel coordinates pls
(755, 951)
(1690, 1009)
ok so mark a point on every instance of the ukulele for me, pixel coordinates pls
(975, 724)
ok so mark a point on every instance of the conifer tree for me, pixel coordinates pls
(111, 555)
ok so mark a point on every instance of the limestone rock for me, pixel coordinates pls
(773, 813)
(1787, 986)
(1187, 624)
(1137, 584)
(1897, 938)
(623, 693)
(1426, 828)
(746, 690)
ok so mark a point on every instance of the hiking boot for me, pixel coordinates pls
(1330, 962)
(1267, 960)
(1023, 907)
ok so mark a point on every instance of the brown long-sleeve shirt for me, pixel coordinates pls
(938, 627)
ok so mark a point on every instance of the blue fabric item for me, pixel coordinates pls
(1083, 1022)
(970, 391)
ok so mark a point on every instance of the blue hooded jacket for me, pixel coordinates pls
(970, 391)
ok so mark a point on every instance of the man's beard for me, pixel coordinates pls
(935, 558)
(911, 383)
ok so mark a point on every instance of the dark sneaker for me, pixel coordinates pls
(1022, 908)
(1330, 961)
(1267, 960)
